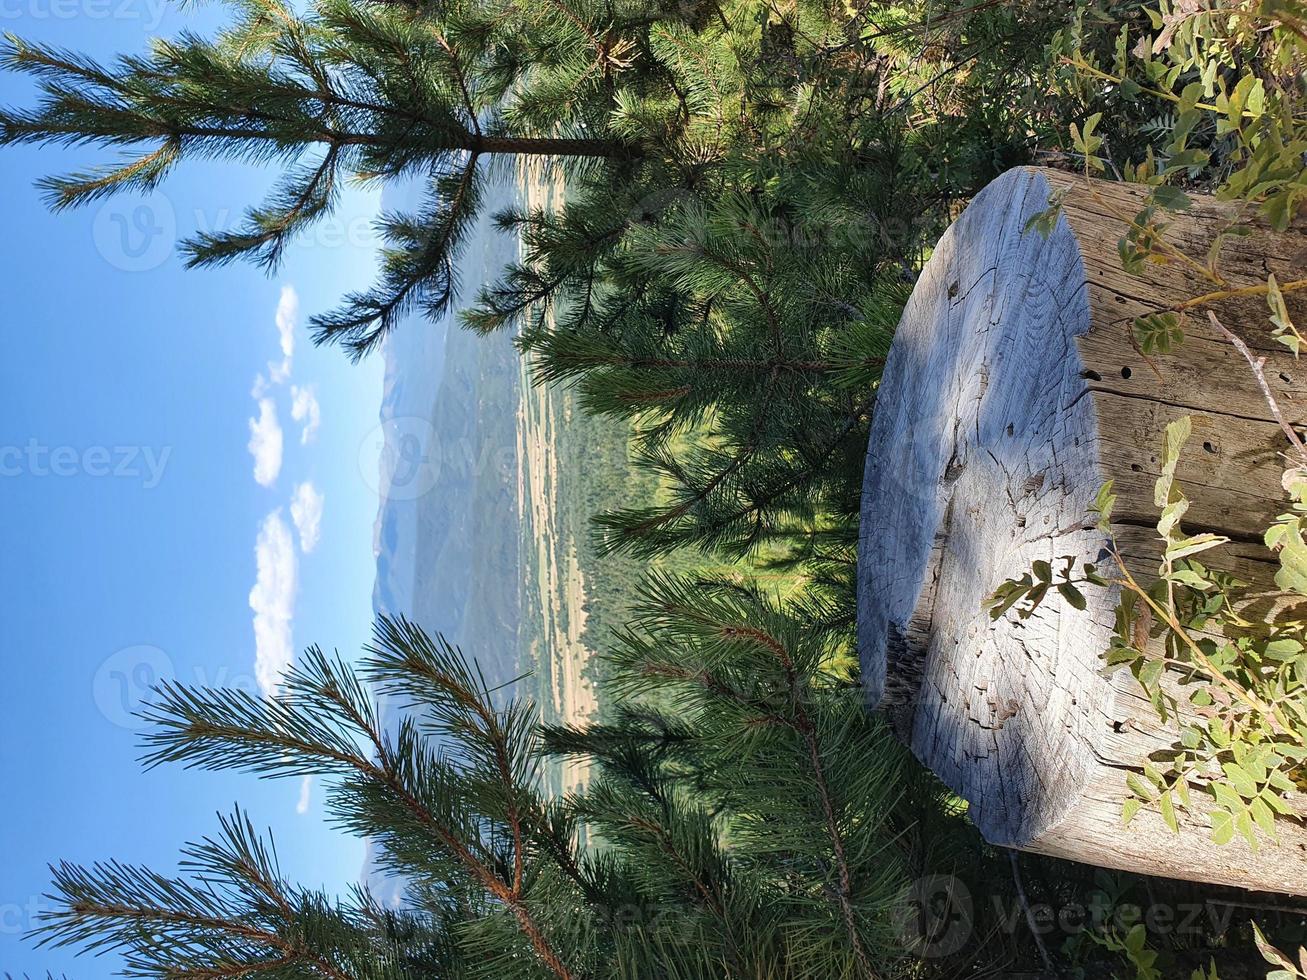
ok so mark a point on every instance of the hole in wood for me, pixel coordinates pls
(1285, 378)
(1209, 447)
(1089, 375)
(1126, 372)
(1136, 467)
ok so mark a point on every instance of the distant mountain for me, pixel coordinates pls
(448, 458)
(447, 532)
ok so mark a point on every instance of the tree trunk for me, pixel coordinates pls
(548, 147)
(1012, 392)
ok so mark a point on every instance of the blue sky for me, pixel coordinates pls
(162, 510)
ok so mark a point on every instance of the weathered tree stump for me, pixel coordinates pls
(1013, 391)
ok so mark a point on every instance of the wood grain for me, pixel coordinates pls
(1012, 392)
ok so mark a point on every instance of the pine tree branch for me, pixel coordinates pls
(279, 733)
(459, 74)
(509, 896)
(153, 917)
(759, 294)
(493, 732)
(659, 521)
(758, 505)
(802, 724)
(553, 147)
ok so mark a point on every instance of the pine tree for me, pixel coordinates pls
(349, 90)
(740, 807)
(728, 266)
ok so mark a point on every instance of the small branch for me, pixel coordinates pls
(1030, 916)
(1215, 674)
(1260, 289)
(1257, 363)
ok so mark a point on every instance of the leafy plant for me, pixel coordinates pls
(1234, 682)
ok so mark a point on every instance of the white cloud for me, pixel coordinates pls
(266, 443)
(306, 512)
(288, 316)
(304, 408)
(306, 788)
(278, 373)
(273, 601)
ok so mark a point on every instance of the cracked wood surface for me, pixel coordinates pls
(1011, 393)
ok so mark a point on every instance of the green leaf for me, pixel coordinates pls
(1243, 823)
(1168, 813)
(1269, 953)
(1222, 827)
(1192, 546)
(1192, 579)
(1228, 797)
(1140, 788)
(1182, 791)
(1284, 330)
(1292, 576)
(1284, 648)
(1171, 198)
(1172, 512)
(1158, 333)
(1263, 817)
(1072, 595)
(1177, 434)
(1187, 160)
(1086, 143)
(1130, 809)
(1136, 939)
(1034, 598)
(1007, 595)
(1103, 503)
(1046, 220)
(1240, 780)
(1150, 673)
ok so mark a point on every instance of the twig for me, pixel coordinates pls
(1030, 916)
(1260, 289)
(1256, 363)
